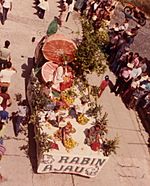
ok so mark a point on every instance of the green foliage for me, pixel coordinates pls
(102, 36)
(110, 146)
(90, 57)
(93, 111)
(94, 90)
(104, 119)
(70, 92)
(43, 140)
(39, 99)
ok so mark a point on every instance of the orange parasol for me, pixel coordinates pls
(57, 47)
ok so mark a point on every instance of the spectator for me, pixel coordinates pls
(136, 60)
(123, 81)
(7, 5)
(43, 7)
(128, 97)
(5, 55)
(6, 74)
(124, 26)
(136, 71)
(6, 98)
(144, 62)
(70, 8)
(80, 5)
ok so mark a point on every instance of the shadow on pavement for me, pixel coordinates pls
(32, 147)
(13, 119)
(1, 18)
(26, 70)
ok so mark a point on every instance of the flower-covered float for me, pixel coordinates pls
(70, 130)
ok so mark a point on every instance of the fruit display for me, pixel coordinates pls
(58, 135)
(66, 79)
(68, 99)
(69, 143)
(82, 119)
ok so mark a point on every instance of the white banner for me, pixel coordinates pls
(85, 166)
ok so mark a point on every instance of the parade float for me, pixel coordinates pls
(70, 130)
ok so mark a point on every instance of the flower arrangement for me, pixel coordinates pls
(109, 146)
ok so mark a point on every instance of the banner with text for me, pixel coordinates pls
(85, 166)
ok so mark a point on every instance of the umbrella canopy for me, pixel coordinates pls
(48, 70)
(59, 49)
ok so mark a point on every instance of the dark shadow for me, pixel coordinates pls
(26, 70)
(145, 118)
(111, 85)
(26, 73)
(32, 147)
(1, 18)
(13, 118)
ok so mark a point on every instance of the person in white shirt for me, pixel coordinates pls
(6, 74)
(5, 55)
(7, 5)
(70, 9)
(43, 7)
(59, 75)
(124, 26)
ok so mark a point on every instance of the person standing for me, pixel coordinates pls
(7, 5)
(6, 102)
(80, 5)
(5, 55)
(70, 8)
(43, 7)
(6, 75)
(103, 85)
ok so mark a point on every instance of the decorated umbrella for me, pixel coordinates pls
(59, 49)
(48, 70)
(48, 73)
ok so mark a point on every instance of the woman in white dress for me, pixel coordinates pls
(59, 75)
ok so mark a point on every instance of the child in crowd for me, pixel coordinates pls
(103, 85)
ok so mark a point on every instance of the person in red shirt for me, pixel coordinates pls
(6, 98)
(103, 85)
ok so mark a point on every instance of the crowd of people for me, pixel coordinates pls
(6, 73)
(95, 10)
(131, 69)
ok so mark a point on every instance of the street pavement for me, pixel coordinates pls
(129, 167)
